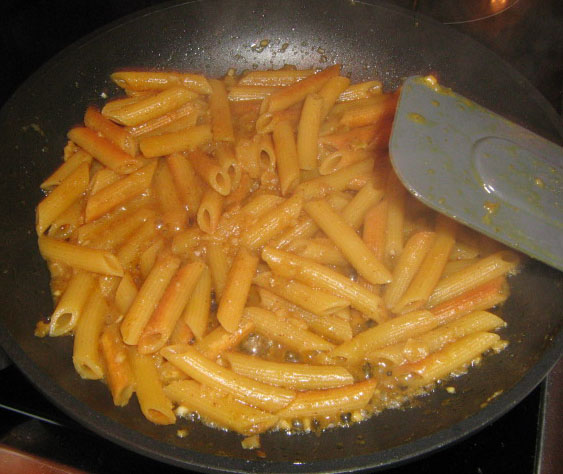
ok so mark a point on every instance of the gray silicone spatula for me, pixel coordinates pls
(480, 169)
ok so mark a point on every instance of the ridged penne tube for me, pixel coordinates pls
(296, 92)
(371, 113)
(182, 334)
(186, 182)
(266, 122)
(340, 159)
(330, 402)
(351, 140)
(226, 159)
(250, 92)
(175, 120)
(421, 346)
(101, 179)
(290, 375)
(305, 227)
(148, 298)
(150, 107)
(407, 266)
(220, 408)
(348, 241)
(273, 222)
(493, 266)
(395, 195)
(219, 265)
(235, 293)
(209, 211)
(104, 151)
(287, 161)
(454, 356)
(311, 299)
(119, 192)
(267, 154)
(196, 313)
(367, 197)
(425, 280)
(170, 307)
(125, 293)
(389, 332)
(488, 295)
(119, 136)
(156, 80)
(275, 78)
(66, 169)
(64, 226)
(337, 181)
(211, 172)
(71, 303)
(331, 91)
(221, 121)
(374, 231)
(454, 266)
(321, 250)
(247, 154)
(207, 372)
(62, 197)
(185, 242)
(154, 403)
(182, 140)
(172, 210)
(119, 373)
(362, 90)
(332, 327)
(130, 251)
(309, 272)
(82, 258)
(462, 251)
(308, 131)
(86, 355)
(149, 256)
(219, 340)
(286, 332)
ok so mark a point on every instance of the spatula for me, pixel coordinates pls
(479, 168)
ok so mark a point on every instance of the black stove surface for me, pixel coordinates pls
(526, 33)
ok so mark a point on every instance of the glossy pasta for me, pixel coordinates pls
(241, 248)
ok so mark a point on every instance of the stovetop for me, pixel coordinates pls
(526, 33)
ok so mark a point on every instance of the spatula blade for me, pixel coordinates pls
(480, 169)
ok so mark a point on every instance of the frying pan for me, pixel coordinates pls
(371, 40)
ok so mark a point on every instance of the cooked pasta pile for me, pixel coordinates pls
(241, 248)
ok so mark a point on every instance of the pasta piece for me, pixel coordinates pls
(311, 273)
(221, 120)
(331, 91)
(395, 195)
(210, 171)
(82, 258)
(182, 140)
(331, 402)
(367, 197)
(155, 405)
(207, 372)
(229, 164)
(104, 151)
(119, 373)
(375, 227)
(149, 256)
(125, 293)
(310, 299)
(71, 304)
(66, 169)
(285, 332)
(119, 136)
(362, 90)
(349, 243)
(235, 292)
(174, 215)
(62, 197)
(186, 182)
(119, 192)
(150, 107)
(290, 375)
(219, 340)
(209, 211)
(156, 80)
(196, 314)
(148, 298)
(308, 131)
(130, 251)
(86, 355)
(392, 331)
(178, 119)
(220, 408)
(320, 250)
(278, 78)
(219, 266)
(170, 307)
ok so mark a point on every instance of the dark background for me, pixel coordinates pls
(529, 35)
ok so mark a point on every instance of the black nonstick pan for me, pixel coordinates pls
(371, 40)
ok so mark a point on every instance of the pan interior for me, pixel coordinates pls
(371, 41)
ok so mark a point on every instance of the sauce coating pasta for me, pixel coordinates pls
(241, 248)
